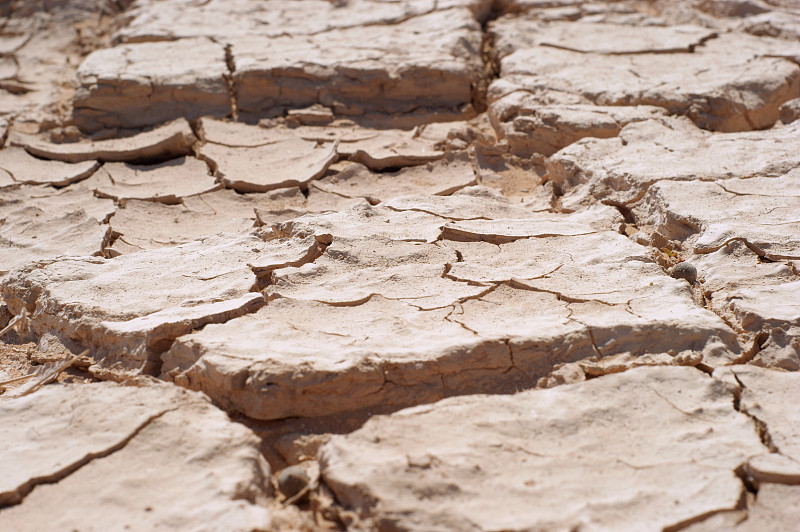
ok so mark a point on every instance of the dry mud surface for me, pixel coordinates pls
(395, 265)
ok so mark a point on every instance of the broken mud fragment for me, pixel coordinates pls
(504, 314)
(28, 170)
(140, 85)
(187, 451)
(169, 182)
(162, 298)
(548, 446)
(288, 163)
(165, 142)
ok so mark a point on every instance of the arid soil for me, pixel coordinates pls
(418, 265)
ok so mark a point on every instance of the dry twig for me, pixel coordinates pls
(44, 374)
(20, 323)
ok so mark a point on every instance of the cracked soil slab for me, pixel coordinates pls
(766, 396)
(530, 127)
(168, 182)
(506, 314)
(138, 85)
(166, 293)
(721, 88)
(164, 142)
(29, 170)
(646, 450)
(72, 449)
(621, 169)
(41, 223)
(377, 149)
(743, 235)
(287, 163)
(149, 225)
(354, 180)
(424, 64)
(522, 32)
(708, 215)
(221, 19)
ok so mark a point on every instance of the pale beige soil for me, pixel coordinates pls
(430, 252)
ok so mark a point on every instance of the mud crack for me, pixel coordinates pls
(490, 63)
(16, 497)
(760, 426)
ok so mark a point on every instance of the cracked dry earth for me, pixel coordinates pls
(427, 259)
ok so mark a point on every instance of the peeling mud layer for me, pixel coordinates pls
(470, 265)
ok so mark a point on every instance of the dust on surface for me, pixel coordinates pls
(18, 360)
(15, 360)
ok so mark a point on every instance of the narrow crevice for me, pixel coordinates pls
(749, 482)
(460, 324)
(455, 235)
(352, 303)
(372, 200)
(746, 194)
(158, 348)
(624, 210)
(507, 342)
(682, 525)
(518, 285)
(385, 23)
(763, 433)
(491, 288)
(490, 63)
(56, 477)
(629, 226)
(199, 140)
(762, 255)
(425, 211)
(759, 340)
(14, 178)
(704, 368)
(761, 428)
(703, 41)
(470, 282)
(591, 338)
(460, 301)
(265, 276)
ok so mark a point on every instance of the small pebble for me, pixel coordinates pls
(292, 481)
(685, 270)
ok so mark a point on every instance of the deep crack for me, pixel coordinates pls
(761, 427)
(491, 64)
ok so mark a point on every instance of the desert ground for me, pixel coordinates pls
(400, 265)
